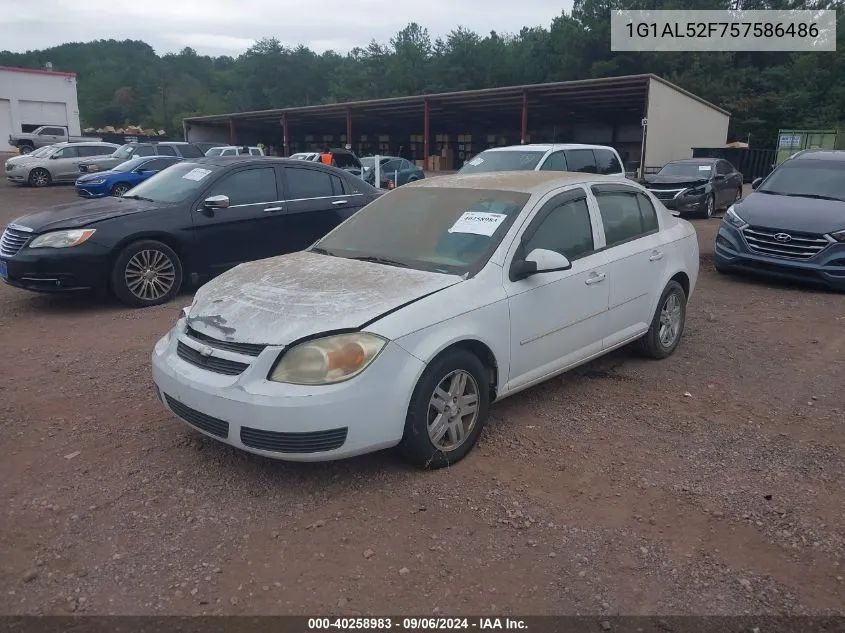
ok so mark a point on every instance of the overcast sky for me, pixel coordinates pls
(228, 27)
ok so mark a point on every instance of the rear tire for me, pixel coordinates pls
(447, 411)
(667, 324)
(39, 177)
(146, 273)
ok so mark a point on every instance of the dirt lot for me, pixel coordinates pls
(711, 482)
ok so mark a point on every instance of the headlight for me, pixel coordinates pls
(327, 360)
(95, 181)
(695, 191)
(93, 168)
(839, 236)
(62, 239)
(732, 218)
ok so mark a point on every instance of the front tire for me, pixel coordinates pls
(667, 325)
(709, 207)
(119, 189)
(146, 273)
(39, 177)
(447, 411)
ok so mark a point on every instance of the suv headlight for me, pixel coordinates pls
(328, 360)
(62, 239)
(732, 218)
(839, 236)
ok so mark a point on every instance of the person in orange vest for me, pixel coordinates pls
(326, 157)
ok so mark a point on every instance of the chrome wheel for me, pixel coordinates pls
(453, 410)
(149, 275)
(119, 190)
(670, 321)
(39, 178)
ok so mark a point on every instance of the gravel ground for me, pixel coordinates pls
(708, 483)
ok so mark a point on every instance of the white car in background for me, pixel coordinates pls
(233, 150)
(590, 159)
(403, 324)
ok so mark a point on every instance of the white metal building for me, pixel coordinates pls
(30, 97)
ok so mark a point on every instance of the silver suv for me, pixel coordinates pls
(137, 150)
(60, 163)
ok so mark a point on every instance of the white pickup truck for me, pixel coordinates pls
(45, 135)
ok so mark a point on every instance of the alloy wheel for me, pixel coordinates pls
(670, 321)
(149, 275)
(39, 178)
(453, 410)
(119, 190)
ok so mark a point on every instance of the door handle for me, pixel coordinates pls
(595, 278)
(656, 255)
(339, 202)
(273, 209)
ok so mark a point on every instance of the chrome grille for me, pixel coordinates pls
(665, 194)
(12, 241)
(249, 349)
(211, 363)
(797, 246)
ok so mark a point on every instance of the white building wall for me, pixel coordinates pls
(677, 122)
(36, 97)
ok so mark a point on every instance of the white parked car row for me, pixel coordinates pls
(406, 322)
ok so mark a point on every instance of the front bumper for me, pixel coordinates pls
(17, 176)
(287, 422)
(826, 268)
(86, 190)
(83, 267)
(685, 204)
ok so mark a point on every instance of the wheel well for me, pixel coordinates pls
(682, 279)
(485, 355)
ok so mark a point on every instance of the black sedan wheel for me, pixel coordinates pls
(709, 207)
(146, 273)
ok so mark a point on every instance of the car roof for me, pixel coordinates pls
(694, 161)
(258, 160)
(539, 182)
(820, 154)
(83, 143)
(545, 147)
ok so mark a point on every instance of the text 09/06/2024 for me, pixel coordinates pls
(805, 30)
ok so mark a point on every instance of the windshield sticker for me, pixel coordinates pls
(704, 168)
(197, 174)
(475, 162)
(478, 223)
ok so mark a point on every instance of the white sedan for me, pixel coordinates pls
(403, 325)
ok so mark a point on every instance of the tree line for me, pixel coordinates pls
(126, 83)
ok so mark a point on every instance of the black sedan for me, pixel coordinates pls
(696, 186)
(191, 221)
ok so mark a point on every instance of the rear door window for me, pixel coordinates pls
(606, 161)
(144, 150)
(166, 150)
(68, 152)
(581, 160)
(304, 184)
(250, 186)
(555, 162)
(190, 151)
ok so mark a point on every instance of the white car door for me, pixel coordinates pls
(636, 258)
(557, 318)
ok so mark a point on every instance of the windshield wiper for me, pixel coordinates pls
(321, 251)
(816, 196)
(134, 197)
(379, 260)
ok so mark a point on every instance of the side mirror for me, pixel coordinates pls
(540, 260)
(719, 177)
(756, 183)
(216, 202)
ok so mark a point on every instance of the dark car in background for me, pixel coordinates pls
(119, 180)
(191, 221)
(696, 186)
(792, 225)
(343, 159)
(138, 150)
(399, 171)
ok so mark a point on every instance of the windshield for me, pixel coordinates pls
(41, 152)
(491, 160)
(808, 178)
(174, 184)
(686, 170)
(440, 229)
(124, 151)
(302, 156)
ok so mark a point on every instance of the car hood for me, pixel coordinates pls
(789, 213)
(283, 299)
(675, 181)
(98, 174)
(81, 213)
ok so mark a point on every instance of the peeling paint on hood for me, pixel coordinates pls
(279, 300)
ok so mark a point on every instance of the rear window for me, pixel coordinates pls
(509, 160)
(606, 161)
(581, 160)
(189, 151)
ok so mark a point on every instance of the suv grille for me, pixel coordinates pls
(12, 241)
(791, 245)
(210, 363)
(249, 349)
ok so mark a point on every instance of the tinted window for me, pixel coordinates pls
(255, 151)
(687, 169)
(189, 151)
(166, 150)
(566, 230)
(807, 177)
(406, 164)
(67, 152)
(555, 162)
(144, 150)
(55, 131)
(648, 213)
(337, 185)
(308, 183)
(581, 160)
(345, 161)
(250, 186)
(606, 161)
(392, 165)
(503, 160)
(622, 218)
(157, 164)
(94, 150)
(723, 167)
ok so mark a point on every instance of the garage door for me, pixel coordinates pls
(42, 113)
(5, 124)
